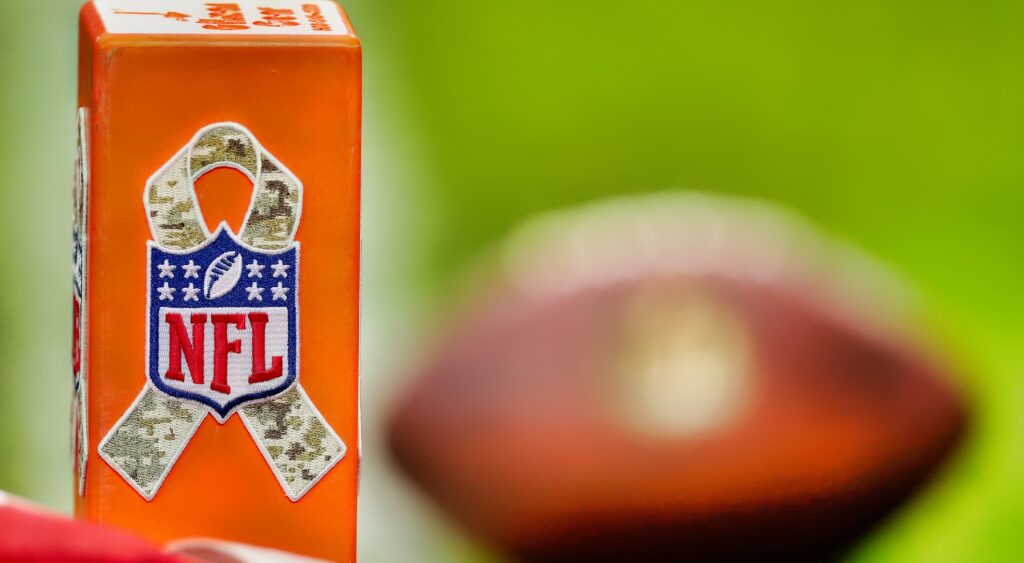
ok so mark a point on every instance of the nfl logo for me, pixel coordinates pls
(223, 322)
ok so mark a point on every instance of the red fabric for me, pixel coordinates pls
(31, 536)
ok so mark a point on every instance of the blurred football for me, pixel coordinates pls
(677, 378)
(222, 275)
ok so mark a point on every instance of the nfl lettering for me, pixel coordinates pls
(223, 323)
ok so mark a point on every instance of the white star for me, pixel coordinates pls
(280, 292)
(166, 292)
(192, 270)
(280, 269)
(255, 292)
(254, 269)
(166, 269)
(191, 292)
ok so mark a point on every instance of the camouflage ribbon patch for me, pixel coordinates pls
(226, 340)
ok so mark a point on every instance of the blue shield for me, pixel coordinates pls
(223, 322)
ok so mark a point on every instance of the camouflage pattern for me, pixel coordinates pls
(273, 212)
(173, 213)
(147, 442)
(223, 144)
(298, 444)
(295, 439)
(79, 195)
(81, 438)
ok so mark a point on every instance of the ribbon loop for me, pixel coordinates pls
(274, 210)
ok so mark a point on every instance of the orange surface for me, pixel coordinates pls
(147, 96)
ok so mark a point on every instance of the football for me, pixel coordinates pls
(677, 378)
(223, 274)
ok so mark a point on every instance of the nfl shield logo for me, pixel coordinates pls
(223, 322)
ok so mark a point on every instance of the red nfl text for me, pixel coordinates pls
(193, 349)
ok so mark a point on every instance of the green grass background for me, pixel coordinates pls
(894, 125)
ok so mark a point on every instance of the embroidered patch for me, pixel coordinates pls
(79, 415)
(223, 323)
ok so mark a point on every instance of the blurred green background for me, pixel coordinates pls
(894, 125)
